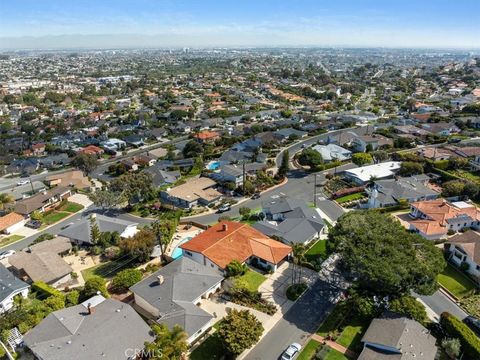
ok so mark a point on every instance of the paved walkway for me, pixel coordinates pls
(335, 346)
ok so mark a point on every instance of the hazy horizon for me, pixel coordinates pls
(50, 24)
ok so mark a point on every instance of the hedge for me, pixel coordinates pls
(44, 290)
(446, 176)
(457, 329)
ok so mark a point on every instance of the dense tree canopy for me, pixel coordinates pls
(409, 168)
(310, 157)
(134, 186)
(361, 159)
(168, 344)
(140, 245)
(85, 162)
(384, 257)
(192, 149)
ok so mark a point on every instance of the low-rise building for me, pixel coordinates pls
(11, 222)
(464, 250)
(333, 152)
(73, 178)
(10, 287)
(395, 337)
(435, 218)
(43, 201)
(172, 294)
(98, 328)
(226, 241)
(196, 191)
(364, 174)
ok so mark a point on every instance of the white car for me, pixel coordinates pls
(291, 352)
(6, 254)
(23, 182)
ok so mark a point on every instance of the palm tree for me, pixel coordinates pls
(5, 199)
(299, 258)
(163, 230)
(168, 344)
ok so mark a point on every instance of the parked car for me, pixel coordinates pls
(5, 254)
(23, 182)
(291, 352)
(224, 207)
(34, 224)
(256, 196)
(473, 323)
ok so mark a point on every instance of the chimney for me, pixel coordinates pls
(225, 227)
(90, 308)
(160, 279)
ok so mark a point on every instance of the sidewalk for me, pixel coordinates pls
(334, 345)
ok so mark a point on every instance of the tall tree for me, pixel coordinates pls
(239, 330)
(284, 166)
(192, 149)
(164, 229)
(168, 344)
(361, 159)
(85, 162)
(385, 258)
(140, 245)
(5, 200)
(105, 198)
(134, 186)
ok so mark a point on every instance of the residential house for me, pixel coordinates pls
(92, 150)
(144, 160)
(226, 241)
(134, 140)
(113, 144)
(23, 166)
(475, 163)
(72, 178)
(332, 152)
(20, 192)
(436, 154)
(10, 287)
(11, 222)
(364, 174)
(206, 136)
(130, 164)
(399, 338)
(98, 328)
(434, 218)
(80, 233)
(55, 161)
(159, 133)
(288, 133)
(43, 262)
(162, 177)
(230, 173)
(195, 191)
(441, 128)
(465, 249)
(390, 192)
(291, 220)
(374, 142)
(42, 201)
(172, 295)
(38, 149)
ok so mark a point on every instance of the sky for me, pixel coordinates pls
(239, 23)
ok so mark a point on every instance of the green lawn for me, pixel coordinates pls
(108, 269)
(210, 348)
(318, 250)
(71, 207)
(327, 353)
(469, 175)
(349, 326)
(455, 282)
(251, 280)
(351, 197)
(309, 350)
(10, 239)
(54, 217)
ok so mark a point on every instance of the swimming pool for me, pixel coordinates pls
(177, 252)
(213, 165)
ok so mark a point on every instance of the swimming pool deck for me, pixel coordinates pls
(180, 235)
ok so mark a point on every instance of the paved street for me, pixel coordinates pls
(301, 320)
(439, 303)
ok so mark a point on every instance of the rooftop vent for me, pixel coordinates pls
(225, 227)
(160, 279)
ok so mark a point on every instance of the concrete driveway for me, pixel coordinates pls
(274, 289)
(219, 308)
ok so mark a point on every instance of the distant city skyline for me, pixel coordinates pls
(213, 23)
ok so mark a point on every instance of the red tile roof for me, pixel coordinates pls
(205, 135)
(9, 220)
(229, 240)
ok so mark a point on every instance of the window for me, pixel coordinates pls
(188, 253)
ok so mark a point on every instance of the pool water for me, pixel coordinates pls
(214, 165)
(177, 252)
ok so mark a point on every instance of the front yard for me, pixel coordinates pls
(317, 250)
(251, 280)
(70, 207)
(455, 282)
(10, 239)
(54, 216)
(309, 350)
(344, 327)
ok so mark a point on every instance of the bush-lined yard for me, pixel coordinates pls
(455, 282)
(251, 280)
(107, 270)
(351, 197)
(70, 207)
(54, 217)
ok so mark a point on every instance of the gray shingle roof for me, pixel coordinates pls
(80, 232)
(9, 283)
(392, 190)
(184, 281)
(73, 333)
(406, 335)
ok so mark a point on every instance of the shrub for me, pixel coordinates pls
(235, 268)
(44, 290)
(294, 291)
(457, 329)
(93, 285)
(126, 278)
(72, 297)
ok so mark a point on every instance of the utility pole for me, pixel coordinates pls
(315, 190)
